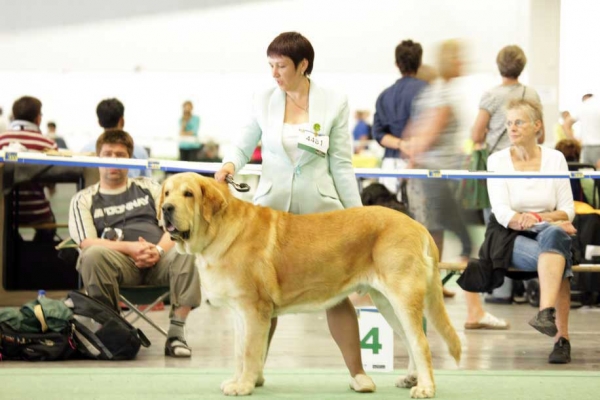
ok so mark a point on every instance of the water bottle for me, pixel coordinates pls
(41, 294)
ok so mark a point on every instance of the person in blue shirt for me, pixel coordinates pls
(362, 131)
(394, 106)
(110, 114)
(189, 145)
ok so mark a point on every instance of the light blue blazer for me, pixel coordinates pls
(315, 183)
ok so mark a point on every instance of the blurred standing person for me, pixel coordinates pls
(3, 125)
(490, 125)
(560, 132)
(362, 131)
(432, 141)
(589, 130)
(429, 74)
(51, 133)
(111, 115)
(298, 177)
(189, 145)
(489, 128)
(394, 106)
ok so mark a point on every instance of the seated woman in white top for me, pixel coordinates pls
(542, 209)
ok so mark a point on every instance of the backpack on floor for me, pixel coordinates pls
(41, 330)
(49, 346)
(100, 332)
(79, 326)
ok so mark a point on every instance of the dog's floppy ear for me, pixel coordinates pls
(161, 200)
(213, 201)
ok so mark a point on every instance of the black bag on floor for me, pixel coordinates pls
(100, 332)
(28, 346)
(41, 330)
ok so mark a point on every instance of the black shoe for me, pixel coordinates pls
(561, 353)
(497, 300)
(544, 321)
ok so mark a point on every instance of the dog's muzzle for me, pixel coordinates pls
(168, 210)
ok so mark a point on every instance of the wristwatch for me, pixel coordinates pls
(161, 251)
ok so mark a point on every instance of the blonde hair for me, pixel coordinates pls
(533, 109)
(448, 56)
(511, 61)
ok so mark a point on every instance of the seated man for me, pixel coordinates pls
(34, 207)
(114, 222)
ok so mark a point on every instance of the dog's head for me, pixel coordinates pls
(188, 204)
(377, 194)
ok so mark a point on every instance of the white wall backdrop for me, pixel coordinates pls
(579, 55)
(215, 56)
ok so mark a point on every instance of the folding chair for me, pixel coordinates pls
(132, 296)
(150, 295)
(576, 166)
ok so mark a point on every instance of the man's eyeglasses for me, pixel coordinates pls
(114, 234)
(517, 122)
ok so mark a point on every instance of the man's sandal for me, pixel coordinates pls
(177, 347)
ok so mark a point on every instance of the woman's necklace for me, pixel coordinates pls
(305, 109)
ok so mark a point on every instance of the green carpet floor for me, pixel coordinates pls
(179, 384)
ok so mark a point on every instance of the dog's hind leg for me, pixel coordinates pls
(386, 309)
(408, 302)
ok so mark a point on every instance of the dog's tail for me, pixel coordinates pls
(434, 302)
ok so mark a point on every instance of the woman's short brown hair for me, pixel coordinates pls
(115, 136)
(511, 61)
(294, 46)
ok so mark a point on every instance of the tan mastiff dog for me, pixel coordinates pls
(263, 263)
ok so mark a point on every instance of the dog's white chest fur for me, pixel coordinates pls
(217, 290)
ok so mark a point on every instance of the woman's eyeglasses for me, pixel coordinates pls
(517, 122)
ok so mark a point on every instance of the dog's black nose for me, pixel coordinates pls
(168, 208)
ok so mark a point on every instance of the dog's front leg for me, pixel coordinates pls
(254, 335)
(238, 347)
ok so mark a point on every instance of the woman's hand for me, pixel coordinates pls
(226, 169)
(568, 227)
(526, 221)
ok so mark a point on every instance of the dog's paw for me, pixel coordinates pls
(228, 382)
(260, 381)
(239, 388)
(422, 392)
(407, 381)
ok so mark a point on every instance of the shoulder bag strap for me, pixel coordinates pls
(498, 141)
(504, 131)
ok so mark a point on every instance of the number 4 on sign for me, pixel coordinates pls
(372, 335)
